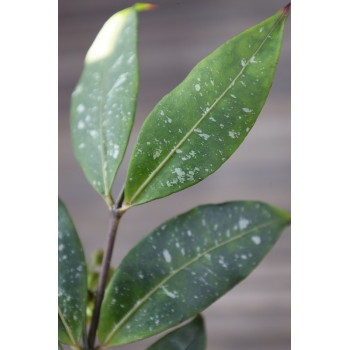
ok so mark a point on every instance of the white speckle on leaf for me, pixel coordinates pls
(261, 29)
(121, 79)
(247, 110)
(205, 136)
(178, 151)
(243, 62)
(232, 95)
(161, 112)
(115, 151)
(189, 233)
(131, 58)
(169, 294)
(80, 108)
(212, 119)
(231, 134)
(118, 61)
(93, 133)
(157, 153)
(252, 60)
(78, 90)
(81, 145)
(243, 223)
(243, 256)
(60, 247)
(167, 255)
(222, 262)
(180, 174)
(256, 240)
(189, 155)
(247, 129)
(197, 87)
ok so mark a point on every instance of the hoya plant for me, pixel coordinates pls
(190, 261)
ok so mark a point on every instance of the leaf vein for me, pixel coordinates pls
(65, 324)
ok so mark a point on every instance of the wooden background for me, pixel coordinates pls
(256, 314)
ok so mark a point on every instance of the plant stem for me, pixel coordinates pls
(115, 216)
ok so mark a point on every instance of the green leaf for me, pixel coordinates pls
(185, 265)
(104, 100)
(59, 346)
(191, 336)
(194, 129)
(72, 280)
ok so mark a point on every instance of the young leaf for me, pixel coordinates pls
(185, 265)
(194, 129)
(104, 100)
(191, 336)
(72, 280)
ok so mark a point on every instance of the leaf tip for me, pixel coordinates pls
(285, 10)
(145, 7)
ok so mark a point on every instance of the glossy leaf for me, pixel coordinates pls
(185, 265)
(104, 100)
(72, 280)
(191, 336)
(194, 129)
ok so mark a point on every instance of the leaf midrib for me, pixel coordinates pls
(66, 327)
(190, 132)
(141, 301)
(101, 114)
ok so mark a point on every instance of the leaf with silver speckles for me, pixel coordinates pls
(185, 265)
(72, 280)
(104, 100)
(194, 129)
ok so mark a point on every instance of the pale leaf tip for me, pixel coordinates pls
(285, 10)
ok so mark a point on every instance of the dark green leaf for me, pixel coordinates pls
(195, 128)
(72, 280)
(191, 336)
(185, 265)
(104, 101)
